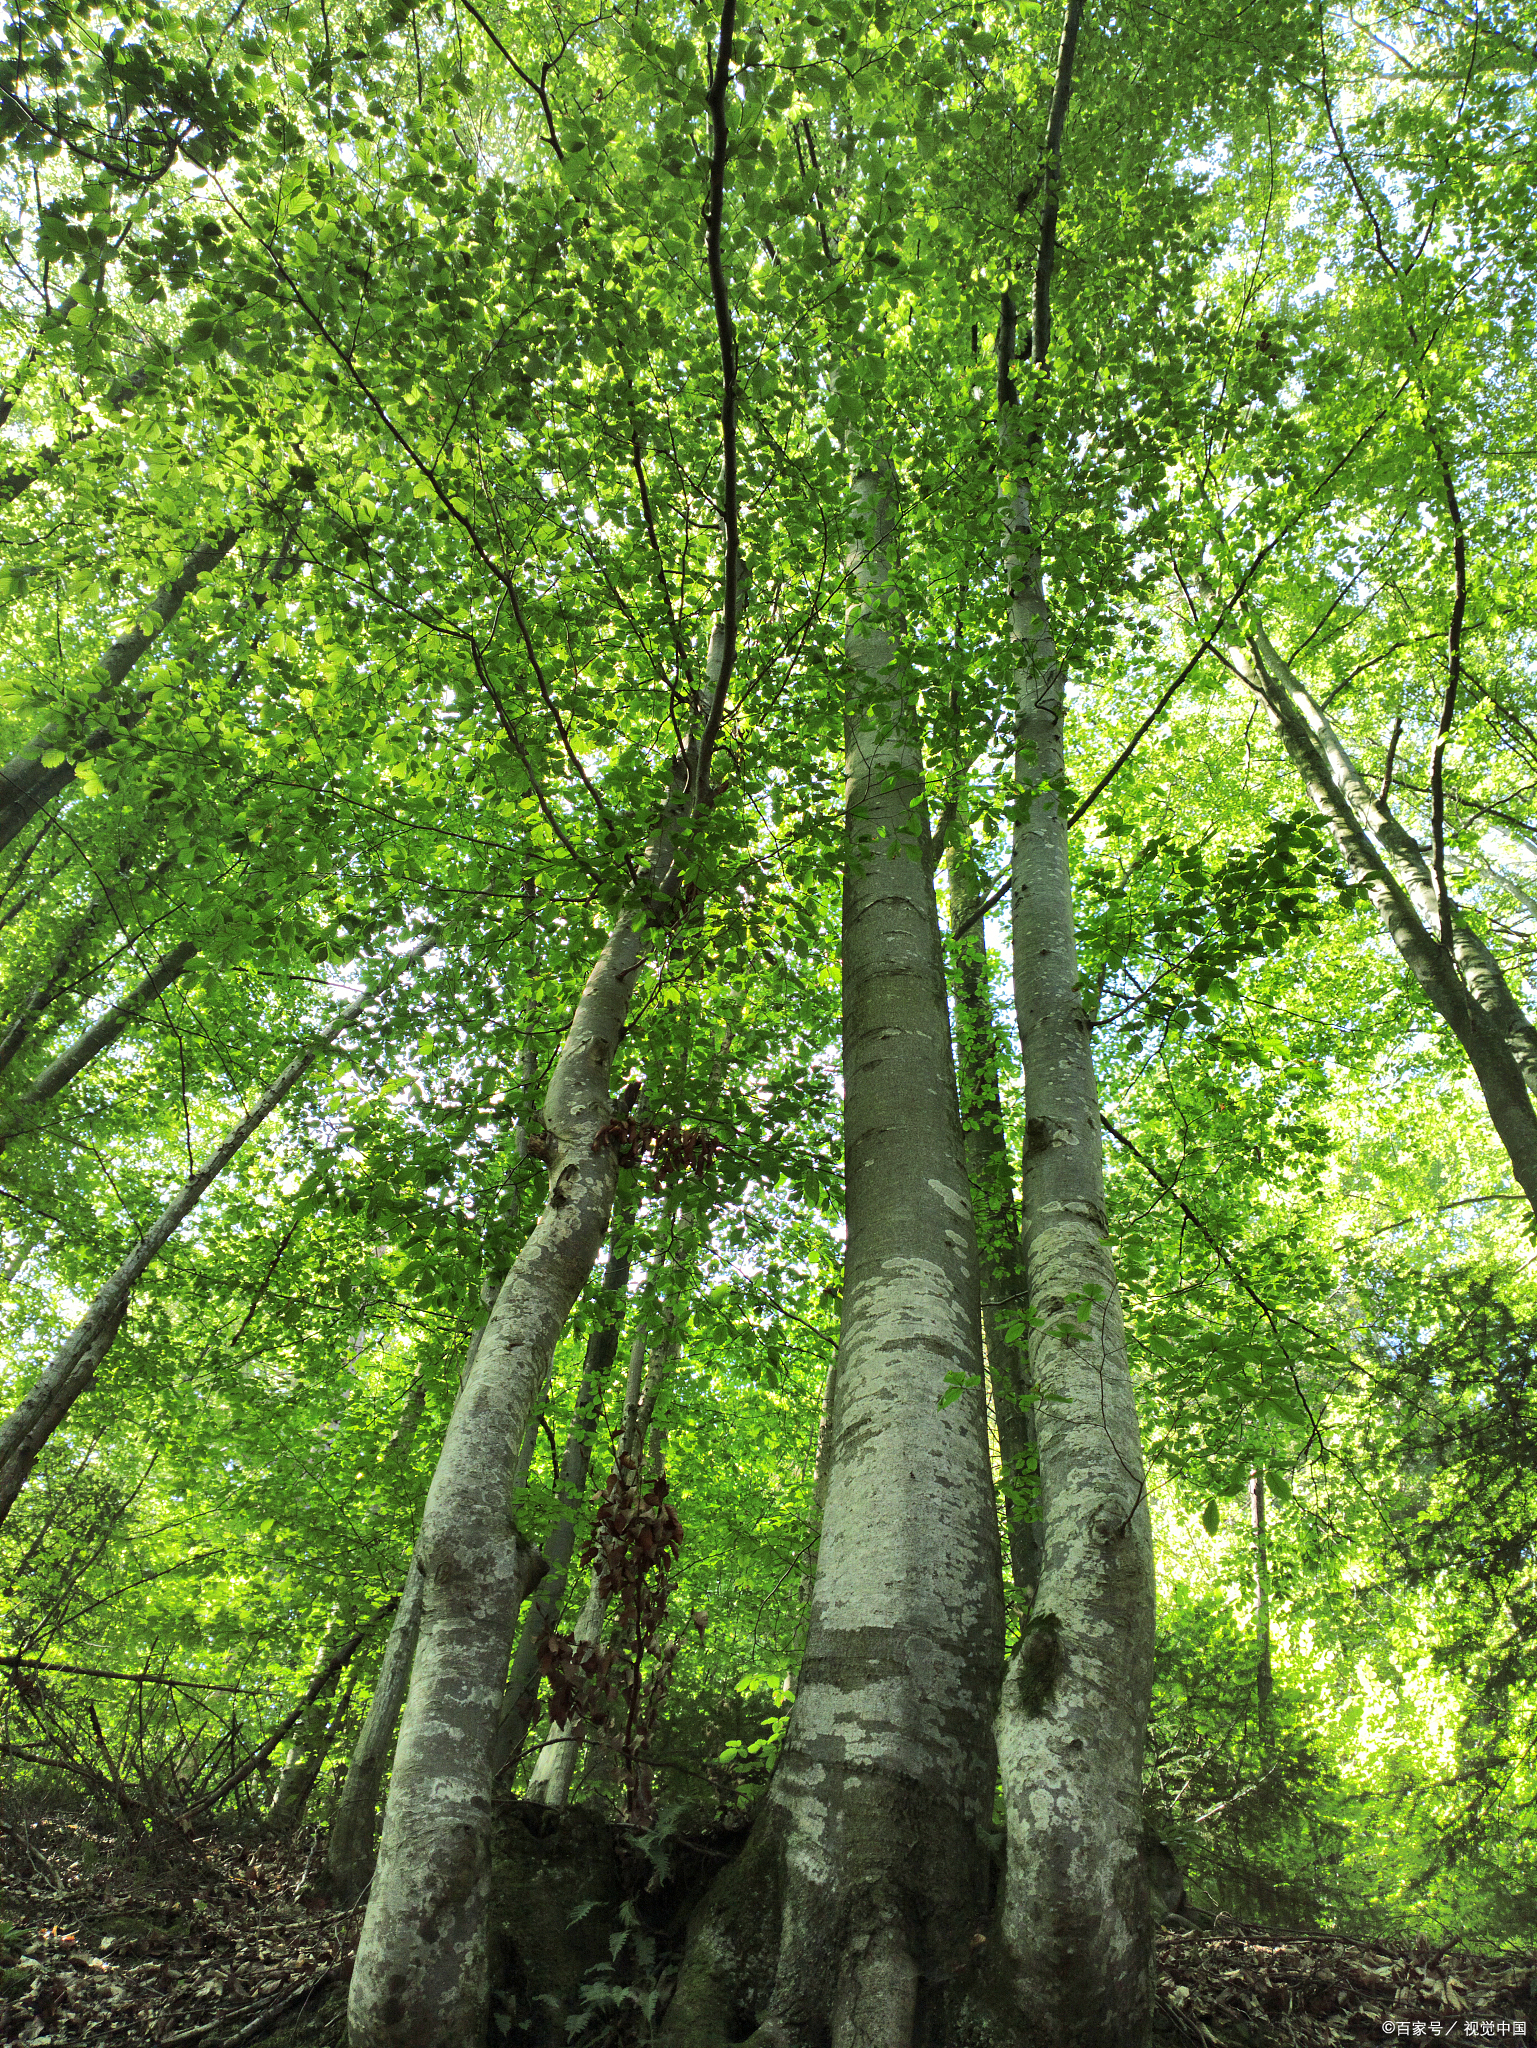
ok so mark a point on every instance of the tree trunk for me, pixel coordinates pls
(521, 1696)
(323, 1679)
(1264, 1679)
(1075, 1920)
(1463, 985)
(549, 1782)
(1075, 1924)
(73, 1366)
(420, 1976)
(1481, 972)
(25, 784)
(107, 1029)
(307, 1751)
(865, 1882)
(991, 1172)
(350, 1845)
(42, 994)
(421, 1970)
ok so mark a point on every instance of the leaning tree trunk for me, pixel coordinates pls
(422, 1960)
(350, 1844)
(864, 1884)
(313, 1736)
(991, 1171)
(36, 1000)
(420, 1975)
(1075, 1953)
(26, 784)
(72, 1368)
(1461, 980)
(350, 1839)
(522, 1692)
(97, 1037)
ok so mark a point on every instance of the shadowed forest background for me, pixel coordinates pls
(437, 466)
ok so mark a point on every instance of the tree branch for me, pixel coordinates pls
(725, 329)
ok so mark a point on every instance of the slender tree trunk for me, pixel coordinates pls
(350, 1844)
(1481, 972)
(549, 1782)
(555, 1767)
(107, 1029)
(421, 1969)
(1264, 1678)
(991, 1172)
(73, 1366)
(306, 1753)
(25, 784)
(865, 1881)
(521, 1696)
(37, 998)
(1075, 1924)
(18, 1258)
(322, 1681)
(1463, 984)
(1075, 1921)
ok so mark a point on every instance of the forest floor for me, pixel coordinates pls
(224, 1942)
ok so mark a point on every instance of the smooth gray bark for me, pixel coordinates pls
(25, 784)
(350, 1844)
(350, 1839)
(73, 1366)
(991, 1172)
(866, 1875)
(1075, 1926)
(422, 1960)
(420, 1975)
(1075, 1922)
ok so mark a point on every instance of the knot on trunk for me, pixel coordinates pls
(1111, 1520)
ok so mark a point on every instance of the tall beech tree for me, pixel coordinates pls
(647, 498)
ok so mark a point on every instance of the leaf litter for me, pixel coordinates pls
(229, 1940)
(210, 1945)
(1240, 1985)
